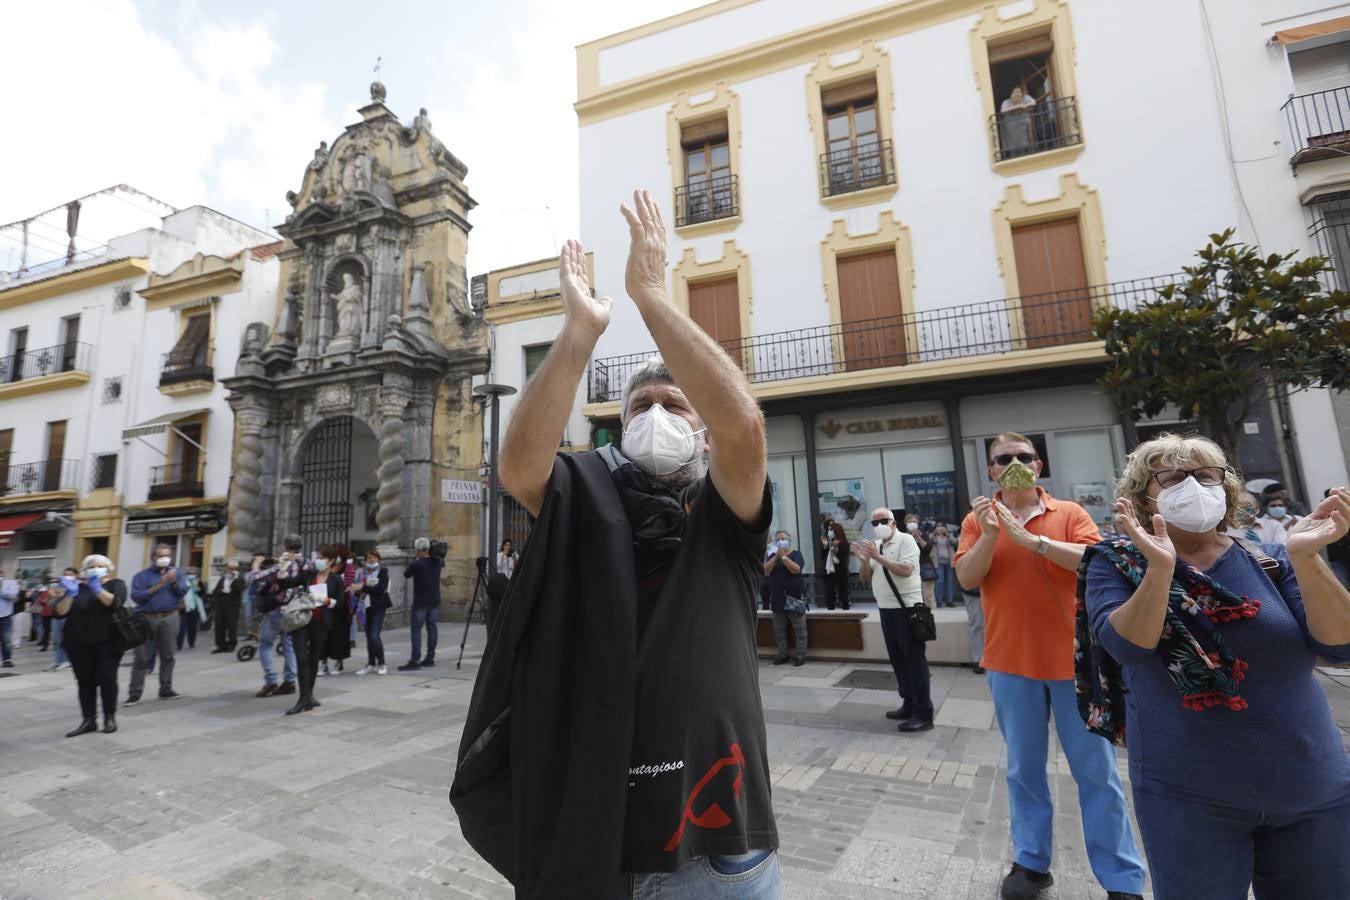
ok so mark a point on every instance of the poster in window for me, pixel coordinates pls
(930, 495)
(844, 500)
(1095, 498)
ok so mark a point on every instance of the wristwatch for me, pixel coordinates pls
(1042, 545)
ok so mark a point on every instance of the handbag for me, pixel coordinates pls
(794, 606)
(296, 614)
(921, 622)
(132, 630)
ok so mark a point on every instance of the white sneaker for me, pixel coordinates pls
(324, 670)
(65, 666)
(364, 670)
(381, 670)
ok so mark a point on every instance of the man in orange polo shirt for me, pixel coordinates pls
(1021, 549)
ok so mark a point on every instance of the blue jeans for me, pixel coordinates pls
(6, 635)
(267, 637)
(424, 615)
(374, 642)
(943, 591)
(909, 662)
(58, 634)
(1200, 851)
(248, 607)
(746, 876)
(1023, 707)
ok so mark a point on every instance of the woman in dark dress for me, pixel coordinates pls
(371, 590)
(338, 647)
(836, 567)
(311, 640)
(91, 640)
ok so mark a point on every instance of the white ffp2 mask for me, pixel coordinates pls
(1192, 506)
(660, 442)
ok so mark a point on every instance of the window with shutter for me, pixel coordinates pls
(708, 191)
(190, 351)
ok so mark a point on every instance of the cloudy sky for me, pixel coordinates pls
(222, 104)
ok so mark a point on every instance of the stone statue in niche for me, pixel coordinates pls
(320, 156)
(356, 174)
(348, 302)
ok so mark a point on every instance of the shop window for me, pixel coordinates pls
(1032, 115)
(857, 154)
(534, 358)
(709, 189)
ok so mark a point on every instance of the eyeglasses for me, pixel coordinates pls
(1206, 475)
(1004, 459)
(876, 522)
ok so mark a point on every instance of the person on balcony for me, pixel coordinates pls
(1017, 135)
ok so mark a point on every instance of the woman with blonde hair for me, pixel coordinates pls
(91, 640)
(1206, 647)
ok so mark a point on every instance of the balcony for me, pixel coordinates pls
(64, 365)
(176, 481)
(1319, 125)
(857, 168)
(188, 373)
(1049, 125)
(707, 201)
(957, 332)
(39, 477)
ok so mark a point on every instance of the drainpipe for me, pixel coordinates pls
(813, 491)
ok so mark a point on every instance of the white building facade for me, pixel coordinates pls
(114, 431)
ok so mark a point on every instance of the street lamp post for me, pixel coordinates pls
(494, 392)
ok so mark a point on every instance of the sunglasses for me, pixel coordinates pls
(876, 522)
(1004, 459)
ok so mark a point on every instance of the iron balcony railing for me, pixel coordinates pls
(1319, 124)
(704, 201)
(52, 266)
(181, 367)
(39, 477)
(177, 480)
(975, 329)
(857, 167)
(1048, 125)
(69, 357)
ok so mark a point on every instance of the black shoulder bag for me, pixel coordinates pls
(921, 622)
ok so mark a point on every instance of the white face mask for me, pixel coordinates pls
(95, 572)
(660, 442)
(163, 561)
(1192, 506)
(883, 532)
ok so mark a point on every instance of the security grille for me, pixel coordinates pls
(112, 389)
(122, 299)
(325, 484)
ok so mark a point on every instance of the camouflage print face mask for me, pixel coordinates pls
(1017, 476)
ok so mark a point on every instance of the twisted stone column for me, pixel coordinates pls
(390, 473)
(246, 488)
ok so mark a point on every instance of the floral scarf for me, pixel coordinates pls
(1202, 667)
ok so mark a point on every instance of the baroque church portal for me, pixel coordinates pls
(356, 402)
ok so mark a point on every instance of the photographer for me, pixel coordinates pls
(425, 571)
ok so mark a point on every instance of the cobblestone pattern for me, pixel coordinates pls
(218, 795)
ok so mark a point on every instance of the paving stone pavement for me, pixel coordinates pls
(218, 795)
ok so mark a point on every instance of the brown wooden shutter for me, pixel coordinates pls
(1052, 280)
(192, 340)
(715, 306)
(855, 91)
(710, 131)
(1020, 49)
(870, 310)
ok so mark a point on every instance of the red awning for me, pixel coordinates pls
(11, 524)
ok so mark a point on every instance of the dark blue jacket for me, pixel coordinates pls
(425, 571)
(148, 596)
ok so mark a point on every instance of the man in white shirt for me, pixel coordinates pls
(1274, 523)
(896, 553)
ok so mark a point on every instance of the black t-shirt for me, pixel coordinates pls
(89, 622)
(698, 780)
(783, 583)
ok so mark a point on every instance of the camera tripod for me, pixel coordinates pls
(480, 588)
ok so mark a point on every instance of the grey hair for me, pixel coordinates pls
(292, 542)
(652, 371)
(421, 544)
(97, 559)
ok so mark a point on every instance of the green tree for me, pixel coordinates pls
(1237, 321)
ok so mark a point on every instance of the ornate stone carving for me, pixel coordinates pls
(335, 398)
(246, 488)
(390, 473)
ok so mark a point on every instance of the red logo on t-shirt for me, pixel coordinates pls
(714, 816)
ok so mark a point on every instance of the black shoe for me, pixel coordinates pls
(7, 664)
(300, 706)
(312, 704)
(798, 660)
(780, 660)
(1023, 884)
(132, 699)
(410, 666)
(287, 687)
(428, 663)
(1121, 895)
(87, 726)
(978, 670)
(898, 715)
(169, 694)
(109, 724)
(911, 725)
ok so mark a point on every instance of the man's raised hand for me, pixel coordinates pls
(581, 308)
(645, 275)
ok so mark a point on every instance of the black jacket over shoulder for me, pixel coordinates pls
(541, 785)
